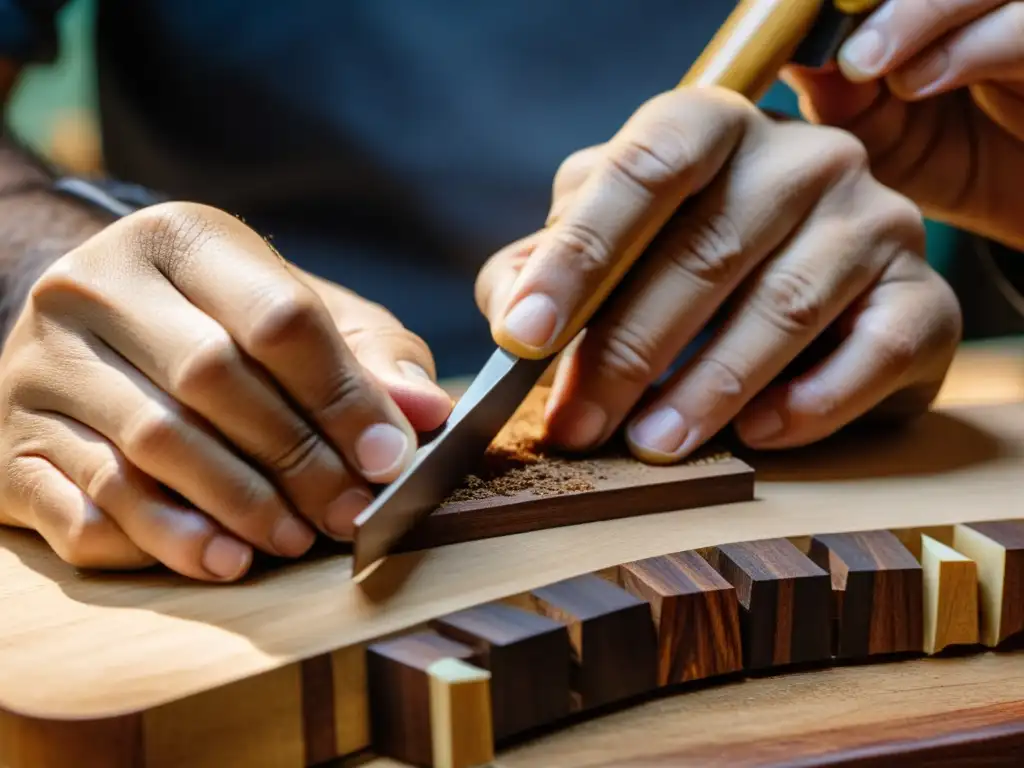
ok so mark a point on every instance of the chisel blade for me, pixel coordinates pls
(440, 465)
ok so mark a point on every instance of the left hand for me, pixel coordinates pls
(780, 223)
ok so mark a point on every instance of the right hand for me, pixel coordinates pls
(175, 392)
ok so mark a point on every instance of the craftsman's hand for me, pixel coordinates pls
(935, 90)
(782, 226)
(174, 391)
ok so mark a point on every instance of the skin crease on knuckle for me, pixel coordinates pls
(172, 235)
(217, 365)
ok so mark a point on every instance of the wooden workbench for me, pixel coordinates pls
(78, 646)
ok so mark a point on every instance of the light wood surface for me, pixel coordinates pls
(460, 714)
(75, 645)
(950, 596)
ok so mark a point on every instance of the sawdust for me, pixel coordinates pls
(518, 461)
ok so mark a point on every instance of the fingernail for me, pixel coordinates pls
(533, 321)
(864, 54)
(343, 511)
(226, 558)
(929, 71)
(291, 538)
(414, 372)
(660, 431)
(380, 451)
(580, 424)
(763, 425)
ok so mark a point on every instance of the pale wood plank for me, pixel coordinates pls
(184, 638)
(254, 723)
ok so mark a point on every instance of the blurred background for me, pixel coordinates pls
(54, 111)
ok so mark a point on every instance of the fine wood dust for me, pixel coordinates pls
(517, 461)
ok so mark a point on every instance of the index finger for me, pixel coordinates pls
(670, 149)
(901, 29)
(231, 274)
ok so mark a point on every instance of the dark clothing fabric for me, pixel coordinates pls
(389, 145)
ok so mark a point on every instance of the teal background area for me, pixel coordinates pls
(69, 86)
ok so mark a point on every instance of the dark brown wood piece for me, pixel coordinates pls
(878, 589)
(318, 728)
(614, 648)
(695, 612)
(400, 692)
(623, 487)
(785, 602)
(528, 658)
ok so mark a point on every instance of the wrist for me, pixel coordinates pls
(37, 228)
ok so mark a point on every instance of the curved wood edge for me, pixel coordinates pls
(993, 734)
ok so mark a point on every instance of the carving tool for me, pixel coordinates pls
(756, 41)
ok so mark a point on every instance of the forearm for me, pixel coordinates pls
(37, 227)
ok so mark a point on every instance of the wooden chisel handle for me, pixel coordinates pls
(756, 41)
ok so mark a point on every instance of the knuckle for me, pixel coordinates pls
(626, 355)
(824, 150)
(286, 317)
(257, 502)
(348, 393)
(299, 455)
(709, 253)
(720, 376)
(894, 215)
(152, 432)
(171, 235)
(575, 166)
(946, 318)
(212, 365)
(896, 347)
(653, 159)
(844, 150)
(88, 541)
(586, 249)
(790, 301)
(106, 485)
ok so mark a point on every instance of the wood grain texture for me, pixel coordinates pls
(318, 719)
(614, 647)
(528, 658)
(400, 693)
(785, 602)
(28, 742)
(878, 589)
(998, 549)
(624, 488)
(950, 596)
(351, 705)
(256, 723)
(910, 713)
(461, 730)
(66, 626)
(695, 612)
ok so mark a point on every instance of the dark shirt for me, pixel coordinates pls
(388, 145)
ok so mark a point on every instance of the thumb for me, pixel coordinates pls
(828, 98)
